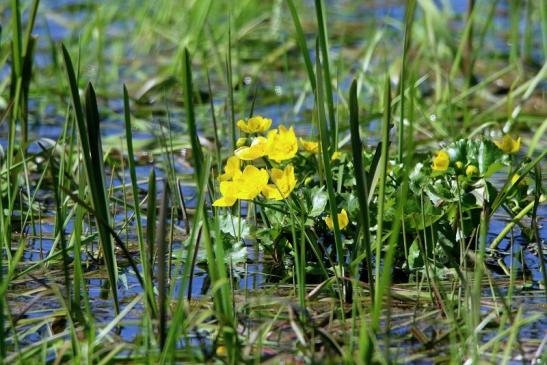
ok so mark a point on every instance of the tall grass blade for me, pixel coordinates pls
(361, 184)
(301, 40)
(162, 265)
(89, 133)
(197, 152)
(327, 79)
(100, 199)
(150, 221)
(325, 147)
(409, 20)
(145, 257)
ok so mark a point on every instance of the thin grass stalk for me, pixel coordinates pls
(59, 231)
(367, 349)
(325, 159)
(543, 22)
(467, 61)
(327, 80)
(17, 45)
(218, 154)
(409, 20)
(230, 86)
(382, 177)
(475, 309)
(178, 321)
(145, 258)
(150, 221)
(361, 186)
(535, 229)
(197, 152)
(301, 40)
(162, 267)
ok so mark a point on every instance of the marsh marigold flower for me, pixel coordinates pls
(258, 148)
(231, 169)
(283, 184)
(440, 161)
(251, 182)
(282, 144)
(309, 146)
(343, 220)
(255, 124)
(508, 145)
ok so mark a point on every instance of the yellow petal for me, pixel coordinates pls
(309, 146)
(225, 201)
(508, 145)
(231, 169)
(284, 182)
(251, 182)
(271, 192)
(257, 149)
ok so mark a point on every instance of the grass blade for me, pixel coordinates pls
(324, 48)
(301, 40)
(361, 183)
(93, 163)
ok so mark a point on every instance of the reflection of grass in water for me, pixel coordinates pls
(58, 305)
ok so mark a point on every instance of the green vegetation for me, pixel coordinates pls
(266, 182)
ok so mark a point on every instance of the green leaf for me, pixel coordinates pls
(319, 202)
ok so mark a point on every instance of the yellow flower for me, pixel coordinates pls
(282, 144)
(471, 170)
(336, 155)
(440, 161)
(508, 145)
(255, 124)
(309, 146)
(231, 169)
(251, 182)
(343, 220)
(459, 164)
(258, 148)
(228, 189)
(283, 184)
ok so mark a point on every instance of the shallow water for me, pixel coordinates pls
(47, 122)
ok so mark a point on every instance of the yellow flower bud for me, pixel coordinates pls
(343, 220)
(471, 170)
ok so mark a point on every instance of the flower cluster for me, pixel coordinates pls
(279, 145)
(441, 159)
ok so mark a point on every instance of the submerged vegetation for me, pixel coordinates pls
(273, 182)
